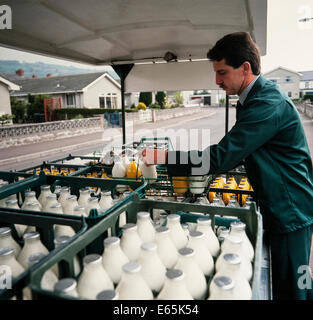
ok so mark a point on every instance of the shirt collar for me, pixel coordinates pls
(245, 92)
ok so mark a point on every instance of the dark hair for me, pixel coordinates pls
(236, 48)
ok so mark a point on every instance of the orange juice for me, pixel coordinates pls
(132, 171)
(180, 184)
(227, 196)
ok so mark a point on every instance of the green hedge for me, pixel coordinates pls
(71, 113)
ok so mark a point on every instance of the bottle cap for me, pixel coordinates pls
(107, 295)
(31, 205)
(186, 252)
(204, 221)
(162, 230)
(129, 226)
(79, 209)
(216, 200)
(232, 258)
(149, 246)
(174, 274)
(196, 234)
(31, 235)
(93, 199)
(51, 196)
(65, 285)
(92, 258)
(223, 282)
(131, 267)
(61, 239)
(84, 190)
(5, 231)
(30, 193)
(45, 187)
(71, 198)
(5, 251)
(34, 258)
(56, 205)
(238, 225)
(173, 217)
(143, 214)
(111, 241)
(11, 202)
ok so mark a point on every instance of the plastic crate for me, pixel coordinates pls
(12, 176)
(44, 223)
(75, 183)
(250, 216)
(163, 143)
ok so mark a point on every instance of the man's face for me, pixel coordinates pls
(228, 78)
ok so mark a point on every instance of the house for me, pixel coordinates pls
(90, 90)
(288, 80)
(6, 87)
(306, 83)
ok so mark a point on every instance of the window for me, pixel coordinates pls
(307, 85)
(288, 79)
(289, 94)
(70, 100)
(108, 101)
(101, 102)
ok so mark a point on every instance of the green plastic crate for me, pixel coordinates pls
(44, 223)
(250, 216)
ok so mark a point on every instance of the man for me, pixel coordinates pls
(269, 137)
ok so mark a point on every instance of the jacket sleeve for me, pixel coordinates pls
(256, 124)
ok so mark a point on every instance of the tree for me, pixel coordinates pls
(18, 108)
(178, 98)
(6, 118)
(36, 105)
(160, 98)
(146, 98)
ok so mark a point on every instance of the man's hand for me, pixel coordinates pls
(153, 156)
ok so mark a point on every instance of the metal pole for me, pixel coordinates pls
(226, 114)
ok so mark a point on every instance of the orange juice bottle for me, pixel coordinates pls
(226, 195)
(180, 184)
(212, 194)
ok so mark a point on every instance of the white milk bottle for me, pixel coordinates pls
(70, 204)
(233, 244)
(123, 216)
(64, 193)
(153, 269)
(44, 191)
(20, 228)
(113, 258)
(130, 241)
(202, 254)
(49, 279)
(194, 277)
(175, 286)
(50, 199)
(32, 244)
(30, 196)
(165, 247)
(177, 233)
(32, 206)
(84, 195)
(66, 287)
(93, 278)
(7, 258)
(106, 201)
(231, 268)
(132, 285)
(80, 211)
(222, 289)
(6, 240)
(211, 241)
(93, 203)
(237, 228)
(145, 227)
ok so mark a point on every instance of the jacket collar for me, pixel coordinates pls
(259, 83)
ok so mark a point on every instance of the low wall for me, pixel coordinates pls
(306, 109)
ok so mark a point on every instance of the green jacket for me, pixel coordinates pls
(268, 135)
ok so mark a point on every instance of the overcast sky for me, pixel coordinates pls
(289, 42)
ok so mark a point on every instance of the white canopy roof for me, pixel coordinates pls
(127, 31)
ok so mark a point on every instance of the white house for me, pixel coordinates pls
(306, 83)
(288, 80)
(90, 90)
(5, 87)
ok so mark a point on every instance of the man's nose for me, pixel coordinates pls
(218, 80)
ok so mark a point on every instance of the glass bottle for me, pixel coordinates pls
(145, 227)
(30, 196)
(50, 199)
(175, 286)
(220, 199)
(123, 216)
(70, 204)
(237, 228)
(44, 191)
(84, 195)
(107, 295)
(32, 206)
(32, 244)
(6, 240)
(233, 203)
(202, 254)
(7, 258)
(194, 277)
(93, 203)
(132, 285)
(130, 241)
(223, 289)
(57, 190)
(165, 246)
(177, 233)
(66, 287)
(211, 241)
(76, 265)
(93, 278)
(49, 279)
(106, 201)
(113, 258)
(231, 268)
(233, 244)
(152, 267)
(20, 228)
(64, 193)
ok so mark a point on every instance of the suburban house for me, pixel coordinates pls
(89, 90)
(306, 83)
(288, 80)
(6, 87)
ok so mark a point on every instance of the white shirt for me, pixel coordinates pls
(245, 92)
